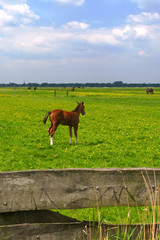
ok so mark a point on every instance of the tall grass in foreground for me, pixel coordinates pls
(101, 231)
(144, 231)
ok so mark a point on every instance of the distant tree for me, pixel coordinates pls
(117, 84)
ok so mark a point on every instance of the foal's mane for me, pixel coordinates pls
(75, 110)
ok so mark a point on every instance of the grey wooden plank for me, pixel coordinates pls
(46, 231)
(78, 188)
(78, 231)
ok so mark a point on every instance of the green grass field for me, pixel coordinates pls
(121, 128)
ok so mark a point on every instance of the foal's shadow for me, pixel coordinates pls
(95, 143)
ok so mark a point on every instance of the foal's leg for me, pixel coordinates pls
(75, 133)
(70, 134)
(52, 130)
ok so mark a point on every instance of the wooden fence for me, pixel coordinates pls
(27, 196)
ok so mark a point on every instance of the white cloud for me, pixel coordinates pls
(19, 9)
(149, 5)
(4, 2)
(51, 40)
(17, 13)
(132, 32)
(100, 36)
(142, 53)
(142, 31)
(77, 35)
(5, 18)
(76, 25)
(122, 33)
(74, 2)
(144, 17)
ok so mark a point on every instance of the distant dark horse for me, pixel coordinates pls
(62, 117)
(149, 90)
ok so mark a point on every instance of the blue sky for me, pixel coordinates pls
(63, 41)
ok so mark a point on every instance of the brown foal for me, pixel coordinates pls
(62, 117)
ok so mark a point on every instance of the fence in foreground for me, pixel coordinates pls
(27, 196)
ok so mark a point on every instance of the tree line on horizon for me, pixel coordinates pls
(79, 85)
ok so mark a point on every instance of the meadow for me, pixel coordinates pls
(120, 129)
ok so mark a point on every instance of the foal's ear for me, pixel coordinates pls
(82, 103)
(77, 102)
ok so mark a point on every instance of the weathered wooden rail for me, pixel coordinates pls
(26, 196)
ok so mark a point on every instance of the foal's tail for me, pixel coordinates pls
(45, 119)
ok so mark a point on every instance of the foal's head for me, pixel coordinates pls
(81, 106)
